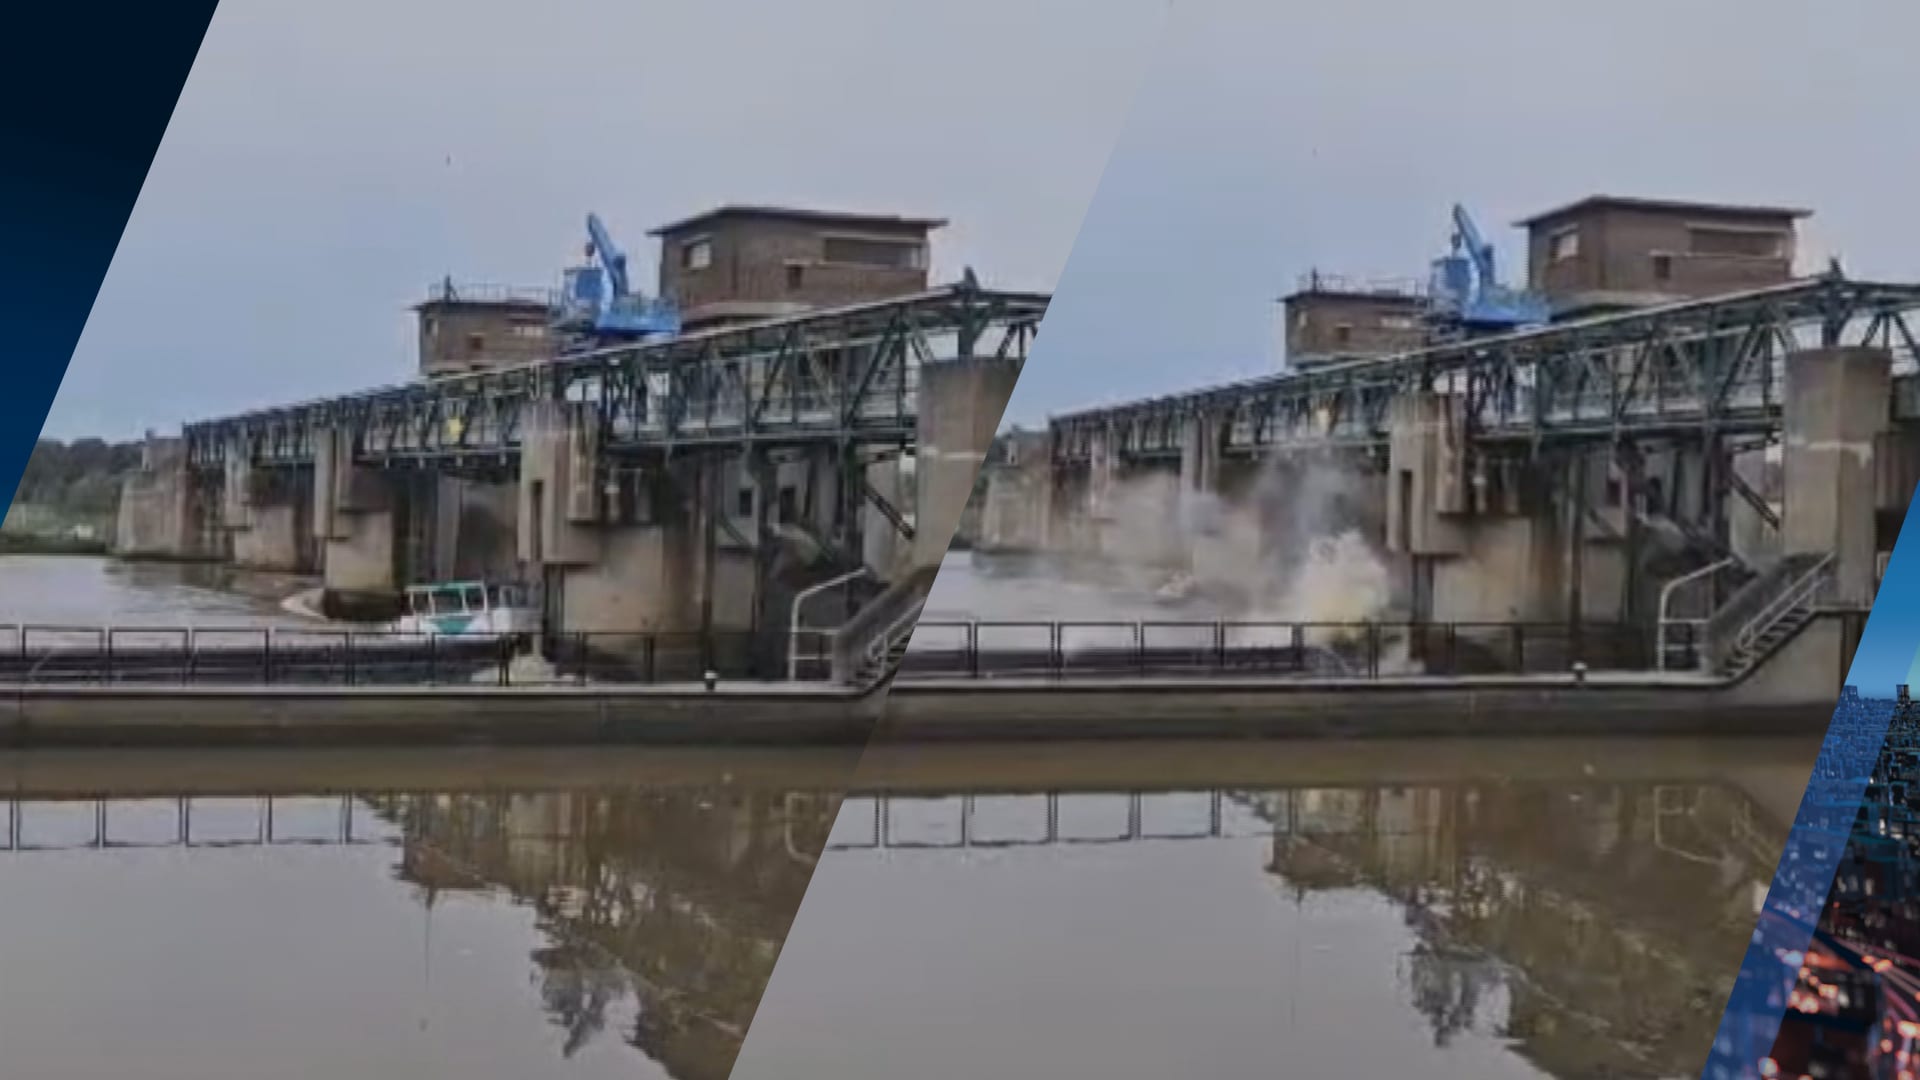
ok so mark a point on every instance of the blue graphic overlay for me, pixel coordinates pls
(90, 92)
(1795, 900)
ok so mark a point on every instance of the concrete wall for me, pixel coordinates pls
(648, 579)
(1836, 414)
(628, 576)
(1752, 538)
(1517, 569)
(266, 516)
(961, 402)
(155, 517)
(166, 511)
(559, 494)
(1494, 538)
(478, 527)
(354, 519)
(1426, 476)
(631, 587)
(882, 547)
(273, 540)
(1013, 510)
(359, 558)
(155, 514)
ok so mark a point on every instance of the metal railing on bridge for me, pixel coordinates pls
(1342, 650)
(486, 292)
(34, 655)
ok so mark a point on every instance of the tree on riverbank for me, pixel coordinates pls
(69, 486)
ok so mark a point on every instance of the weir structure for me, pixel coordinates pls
(1726, 475)
(702, 484)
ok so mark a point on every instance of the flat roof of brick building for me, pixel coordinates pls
(1593, 202)
(789, 213)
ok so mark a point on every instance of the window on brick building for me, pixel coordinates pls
(1564, 244)
(874, 252)
(1726, 240)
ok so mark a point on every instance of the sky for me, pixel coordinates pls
(1272, 138)
(327, 162)
(318, 176)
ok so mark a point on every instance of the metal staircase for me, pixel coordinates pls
(1731, 638)
(1799, 581)
(870, 645)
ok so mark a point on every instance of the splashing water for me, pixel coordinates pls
(1341, 580)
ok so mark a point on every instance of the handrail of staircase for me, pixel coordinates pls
(883, 643)
(879, 617)
(1666, 602)
(1731, 616)
(799, 602)
(1789, 598)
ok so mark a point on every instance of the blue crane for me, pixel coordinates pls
(599, 304)
(601, 242)
(1466, 296)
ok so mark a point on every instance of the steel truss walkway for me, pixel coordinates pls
(843, 375)
(1710, 365)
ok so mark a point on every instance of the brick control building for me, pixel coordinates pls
(1608, 253)
(1330, 319)
(743, 263)
(474, 328)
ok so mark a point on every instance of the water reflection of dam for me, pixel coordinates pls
(1607, 918)
(680, 900)
(1606, 890)
(1610, 915)
(660, 913)
(865, 821)
(188, 822)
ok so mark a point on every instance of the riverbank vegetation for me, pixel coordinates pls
(68, 497)
(14, 542)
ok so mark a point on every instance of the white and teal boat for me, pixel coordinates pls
(473, 608)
